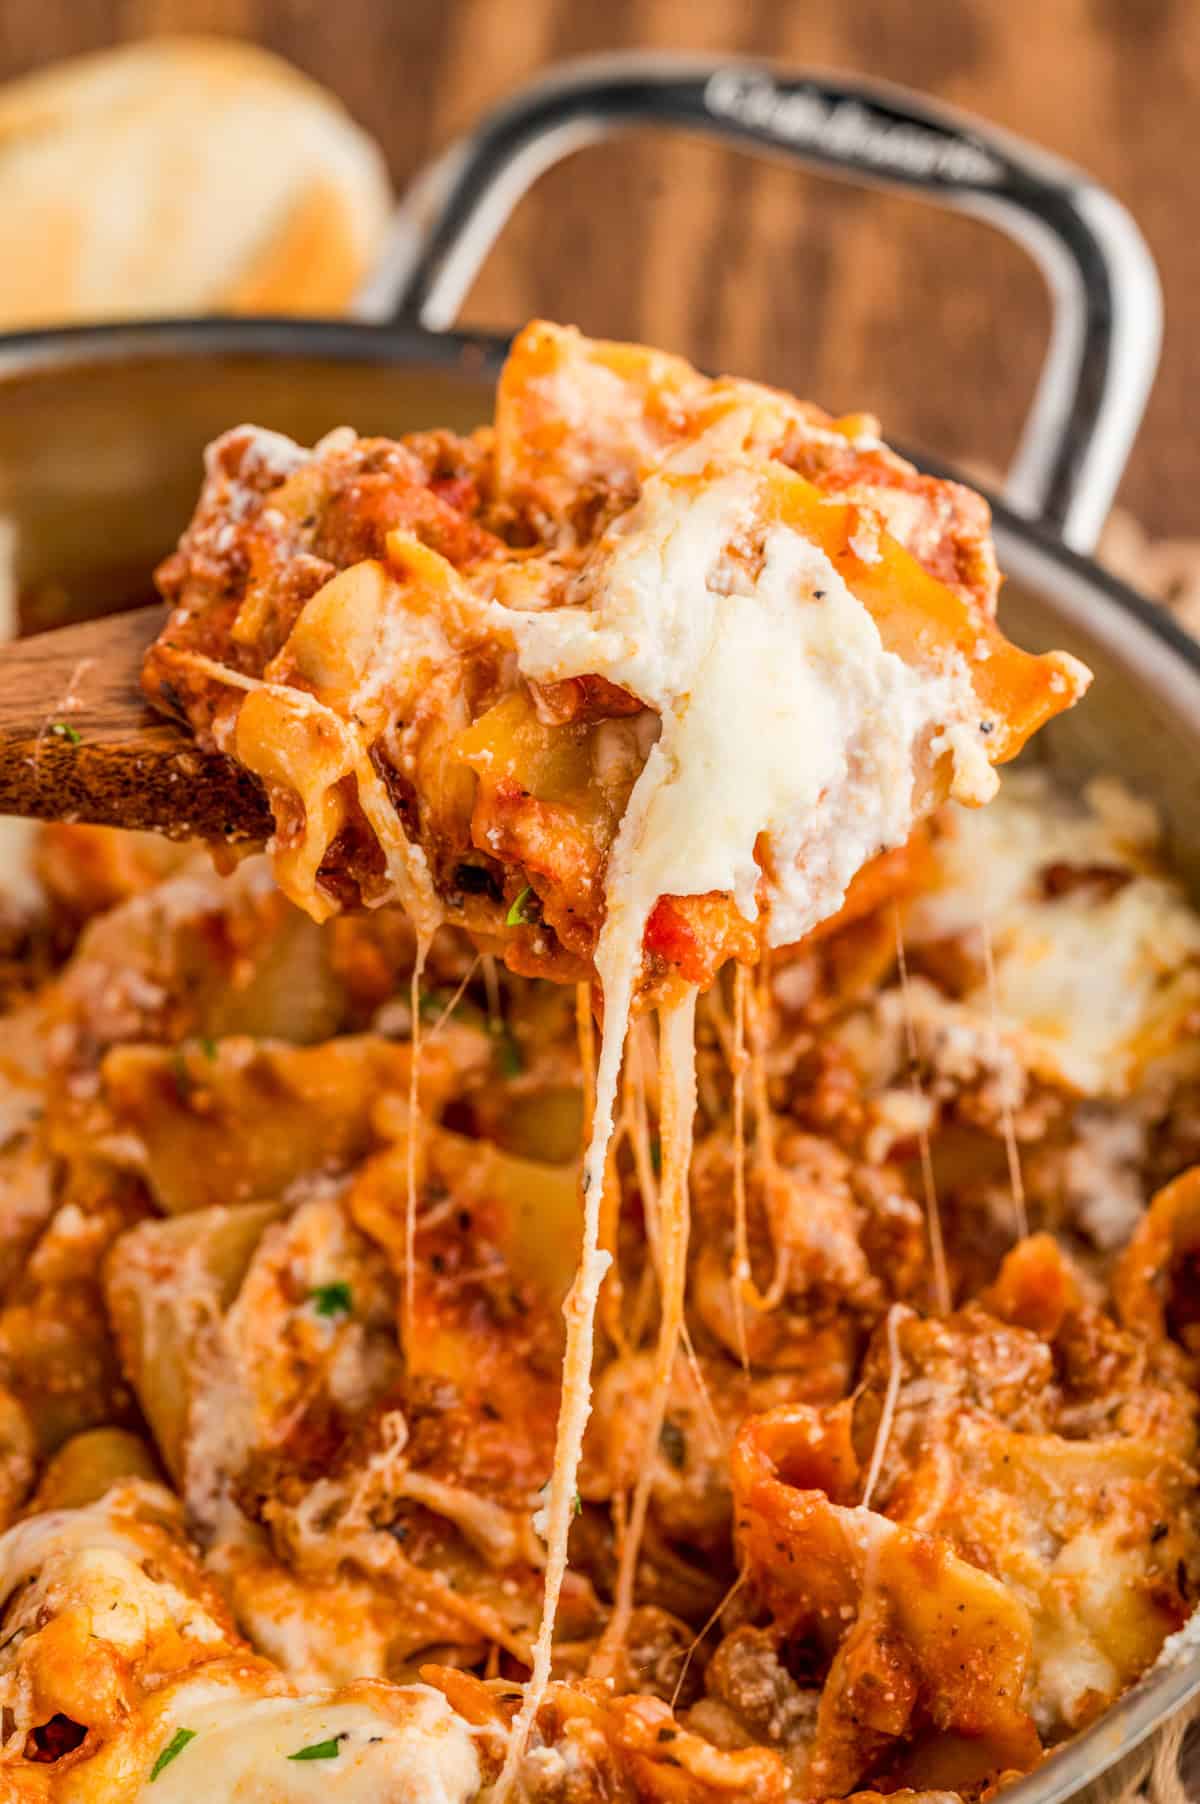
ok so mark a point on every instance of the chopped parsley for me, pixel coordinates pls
(174, 1747)
(63, 730)
(335, 1298)
(673, 1444)
(208, 1046)
(656, 1155)
(320, 1750)
(577, 1505)
(519, 914)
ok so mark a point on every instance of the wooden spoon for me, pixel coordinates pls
(78, 742)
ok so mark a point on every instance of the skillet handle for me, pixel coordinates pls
(1106, 328)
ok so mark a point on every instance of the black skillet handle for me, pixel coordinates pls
(1107, 310)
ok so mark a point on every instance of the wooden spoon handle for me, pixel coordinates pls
(78, 743)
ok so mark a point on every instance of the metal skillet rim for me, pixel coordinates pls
(1031, 551)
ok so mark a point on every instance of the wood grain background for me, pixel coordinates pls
(858, 299)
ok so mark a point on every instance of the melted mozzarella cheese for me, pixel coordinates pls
(243, 1749)
(1093, 984)
(782, 712)
(94, 1553)
(25, 1546)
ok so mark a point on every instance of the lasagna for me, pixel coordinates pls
(759, 1361)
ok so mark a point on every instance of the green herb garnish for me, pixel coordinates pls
(518, 914)
(175, 1746)
(319, 1750)
(63, 730)
(577, 1505)
(656, 1155)
(208, 1046)
(335, 1298)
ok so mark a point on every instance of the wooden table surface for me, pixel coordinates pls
(859, 300)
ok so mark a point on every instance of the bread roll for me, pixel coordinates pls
(177, 176)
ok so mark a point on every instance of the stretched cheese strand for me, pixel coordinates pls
(637, 1131)
(740, 1274)
(783, 715)
(412, 1154)
(1016, 1182)
(708, 1409)
(888, 1412)
(622, 957)
(677, 1067)
(698, 1639)
(611, 1295)
(933, 1215)
(763, 1301)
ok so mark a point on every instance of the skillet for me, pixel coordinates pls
(101, 430)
